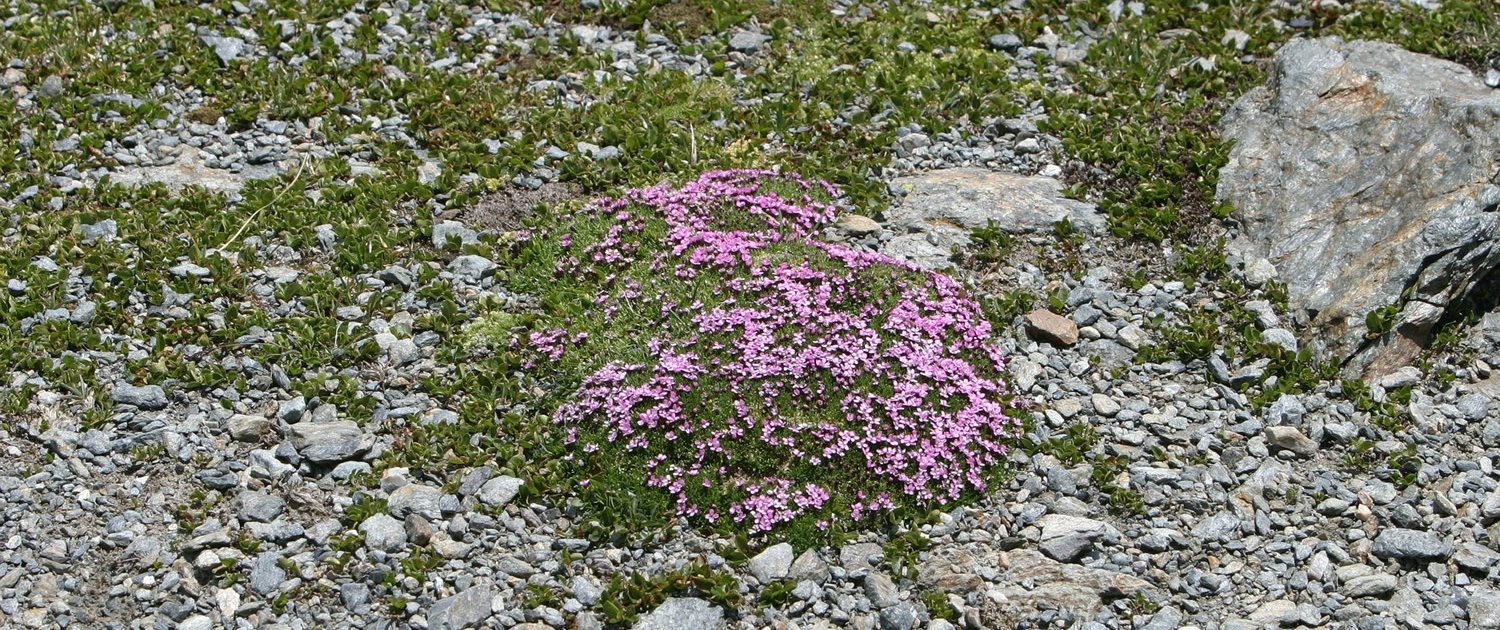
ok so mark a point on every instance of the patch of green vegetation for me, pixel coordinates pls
(228, 572)
(938, 606)
(247, 544)
(1360, 457)
(1404, 466)
(148, 453)
(420, 562)
(625, 598)
(1447, 341)
(346, 543)
(397, 605)
(539, 595)
(1067, 252)
(1001, 310)
(1203, 262)
(1105, 477)
(1465, 31)
(1141, 606)
(989, 244)
(776, 594)
(1153, 85)
(190, 514)
(1196, 337)
(1381, 320)
(1077, 445)
(1388, 414)
(365, 506)
(1232, 331)
(1074, 446)
(903, 550)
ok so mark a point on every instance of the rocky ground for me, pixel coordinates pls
(251, 403)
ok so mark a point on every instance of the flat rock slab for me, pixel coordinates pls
(190, 171)
(1079, 590)
(939, 208)
(1408, 544)
(683, 613)
(972, 197)
(464, 610)
(323, 442)
(1365, 173)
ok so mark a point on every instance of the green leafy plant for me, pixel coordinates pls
(625, 598)
(1381, 320)
(990, 244)
(902, 552)
(937, 606)
(1074, 446)
(364, 506)
(1105, 477)
(540, 595)
(776, 594)
(1003, 309)
(1361, 456)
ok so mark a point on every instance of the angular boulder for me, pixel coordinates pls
(1367, 175)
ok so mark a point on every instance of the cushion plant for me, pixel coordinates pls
(720, 353)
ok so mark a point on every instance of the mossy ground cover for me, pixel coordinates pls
(825, 100)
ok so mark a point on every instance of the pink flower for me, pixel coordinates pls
(802, 356)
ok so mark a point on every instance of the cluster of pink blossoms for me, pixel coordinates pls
(807, 379)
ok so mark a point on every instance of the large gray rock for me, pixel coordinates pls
(468, 608)
(1484, 609)
(683, 613)
(926, 250)
(415, 498)
(1364, 172)
(383, 532)
(500, 490)
(881, 591)
(259, 506)
(144, 397)
(939, 209)
(952, 570)
(808, 566)
(266, 573)
(857, 557)
(772, 564)
(227, 49)
(1410, 544)
(324, 442)
(1066, 538)
(1290, 439)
